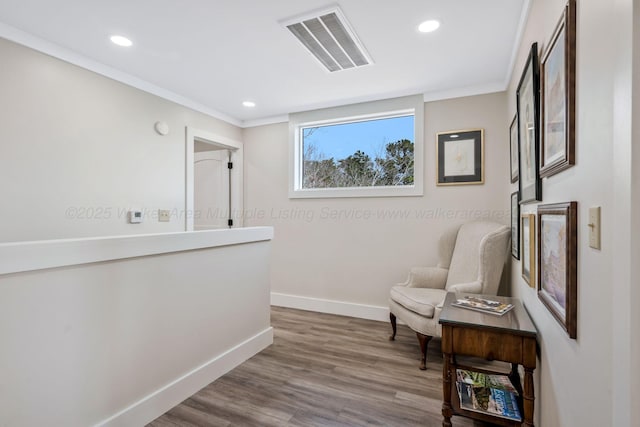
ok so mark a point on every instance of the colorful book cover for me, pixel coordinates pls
(503, 404)
(487, 393)
(479, 379)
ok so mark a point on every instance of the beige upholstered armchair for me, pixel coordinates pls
(471, 259)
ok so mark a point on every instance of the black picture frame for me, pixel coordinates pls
(460, 157)
(528, 112)
(513, 149)
(515, 224)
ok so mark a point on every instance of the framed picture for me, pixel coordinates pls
(460, 157)
(529, 248)
(515, 225)
(558, 97)
(528, 103)
(513, 148)
(557, 259)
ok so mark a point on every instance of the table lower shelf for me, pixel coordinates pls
(494, 419)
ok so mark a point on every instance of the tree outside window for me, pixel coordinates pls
(367, 153)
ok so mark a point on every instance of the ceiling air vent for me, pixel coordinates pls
(330, 38)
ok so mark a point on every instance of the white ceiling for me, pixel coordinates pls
(212, 55)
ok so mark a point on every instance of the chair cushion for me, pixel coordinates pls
(419, 300)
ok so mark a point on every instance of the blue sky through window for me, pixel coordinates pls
(371, 136)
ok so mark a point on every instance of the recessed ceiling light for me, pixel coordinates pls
(429, 26)
(121, 41)
(249, 104)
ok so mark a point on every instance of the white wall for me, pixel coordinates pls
(578, 378)
(120, 342)
(77, 150)
(626, 227)
(633, 387)
(347, 250)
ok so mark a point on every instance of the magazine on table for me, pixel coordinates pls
(480, 379)
(500, 402)
(483, 305)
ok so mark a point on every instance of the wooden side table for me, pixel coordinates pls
(508, 338)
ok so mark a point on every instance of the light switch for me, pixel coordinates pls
(594, 227)
(164, 215)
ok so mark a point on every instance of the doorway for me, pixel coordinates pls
(213, 181)
(211, 187)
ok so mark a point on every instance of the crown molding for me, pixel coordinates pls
(23, 38)
(464, 91)
(522, 25)
(265, 121)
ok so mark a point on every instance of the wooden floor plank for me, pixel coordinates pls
(324, 370)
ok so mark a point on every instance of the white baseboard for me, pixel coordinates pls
(160, 401)
(361, 311)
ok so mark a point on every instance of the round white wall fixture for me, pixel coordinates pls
(121, 41)
(162, 128)
(429, 26)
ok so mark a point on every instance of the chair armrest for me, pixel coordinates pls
(427, 277)
(469, 288)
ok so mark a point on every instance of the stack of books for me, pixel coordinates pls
(483, 305)
(487, 393)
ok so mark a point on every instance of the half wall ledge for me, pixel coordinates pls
(19, 257)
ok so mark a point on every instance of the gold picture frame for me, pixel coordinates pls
(528, 232)
(515, 225)
(460, 157)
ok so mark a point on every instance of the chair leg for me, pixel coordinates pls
(392, 317)
(424, 341)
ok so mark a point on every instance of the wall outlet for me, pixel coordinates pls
(164, 215)
(594, 227)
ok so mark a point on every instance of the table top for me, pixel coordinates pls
(516, 321)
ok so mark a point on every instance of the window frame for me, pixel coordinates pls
(398, 107)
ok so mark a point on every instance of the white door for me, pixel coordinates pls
(211, 190)
(211, 152)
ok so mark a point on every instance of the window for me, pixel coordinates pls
(372, 154)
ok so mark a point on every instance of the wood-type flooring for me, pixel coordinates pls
(324, 370)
